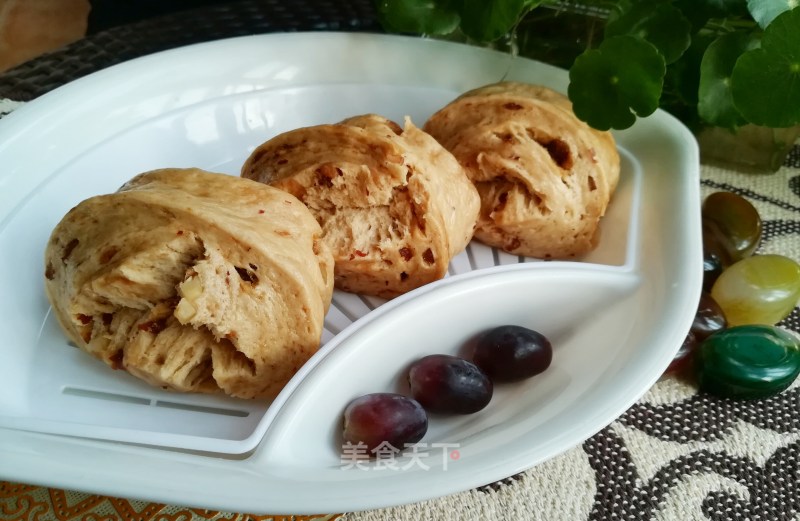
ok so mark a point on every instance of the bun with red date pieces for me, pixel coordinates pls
(193, 281)
(545, 178)
(394, 205)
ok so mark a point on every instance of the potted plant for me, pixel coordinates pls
(729, 69)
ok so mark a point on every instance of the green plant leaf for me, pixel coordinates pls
(663, 25)
(764, 11)
(766, 82)
(611, 85)
(715, 100)
(683, 76)
(721, 8)
(698, 12)
(682, 82)
(489, 20)
(418, 16)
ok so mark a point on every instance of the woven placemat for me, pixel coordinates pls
(238, 18)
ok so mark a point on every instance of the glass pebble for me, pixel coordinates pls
(762, 289)
(709, 317)
(754, 361)
(715, 258)
(682, 360)
(712, 267)
(715, 255)
(733, 222)
(708, 320)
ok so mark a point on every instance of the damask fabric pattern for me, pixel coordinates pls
(675, 455)
(30, 503)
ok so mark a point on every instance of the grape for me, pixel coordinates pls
(379, 418)
(509, 353)
(448, 384)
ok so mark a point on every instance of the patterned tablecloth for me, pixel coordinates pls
(675, 455)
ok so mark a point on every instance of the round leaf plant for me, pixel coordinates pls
(722, 63)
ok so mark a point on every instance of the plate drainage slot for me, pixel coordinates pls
(136, 400)
(332, 329)
(101, 395)
(203, 409)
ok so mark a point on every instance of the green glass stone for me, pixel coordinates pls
(753, 361)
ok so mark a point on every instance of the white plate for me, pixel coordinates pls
(615, 317)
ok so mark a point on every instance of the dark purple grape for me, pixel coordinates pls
(709, 317)
(390, 418)
(509, 353)
(450, 385)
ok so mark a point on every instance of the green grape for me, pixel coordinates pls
(762, 289)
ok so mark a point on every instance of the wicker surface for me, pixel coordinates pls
(676, 454)
(239, 18)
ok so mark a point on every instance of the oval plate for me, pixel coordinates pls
(615, 317)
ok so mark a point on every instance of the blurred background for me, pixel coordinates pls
(29, 28)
